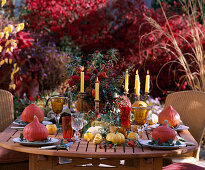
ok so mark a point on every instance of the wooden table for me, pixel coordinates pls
(87, 153)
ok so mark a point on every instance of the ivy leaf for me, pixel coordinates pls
(178, 143)
(21, 137)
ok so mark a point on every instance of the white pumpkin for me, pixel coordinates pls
(94, 129)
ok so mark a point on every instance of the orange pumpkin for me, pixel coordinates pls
(163, 133)
(35, 131)
(29, 112)
(170, 115)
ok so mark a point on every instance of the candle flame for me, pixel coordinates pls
(126, 71)
(82, 68)
(137, 72)
(97, 81)
(147, 72)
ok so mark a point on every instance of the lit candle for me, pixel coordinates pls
(137, 84)
(82, 81)
(147, 83)
(97, 83)
(126, 81)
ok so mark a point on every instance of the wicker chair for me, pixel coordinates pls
(9, 160)
(191, 107)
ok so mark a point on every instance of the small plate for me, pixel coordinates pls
(145, 143)
(21, 123)
(36, 143)
(179, 128)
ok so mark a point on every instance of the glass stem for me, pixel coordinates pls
(57, 122)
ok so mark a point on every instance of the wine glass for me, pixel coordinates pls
(57, 107)
(77, 123)
(140, 114)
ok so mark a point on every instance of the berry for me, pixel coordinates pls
(131, 143)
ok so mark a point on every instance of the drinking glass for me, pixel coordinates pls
(140, 114)
(67, 128)
(77, 123)
(57, 107)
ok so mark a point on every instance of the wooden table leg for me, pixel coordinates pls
(37, 162)
(148, 163)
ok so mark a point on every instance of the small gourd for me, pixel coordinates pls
(29, 112)
(98, 139)
(133, 136)
(115, 138)
(94, 129)
(163, 133)
(171, 115)
(35, 131)
(52, 129)
(88, 136)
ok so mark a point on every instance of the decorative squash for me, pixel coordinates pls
(115, 138)
(163, 133)
(29, 112)
(170, 115)
(88, 136)
(94, 129)
(52, 129)
(133, 136)
(122, 130)
(35, 131)
(98, 139)
(153, 119)
(99, 123)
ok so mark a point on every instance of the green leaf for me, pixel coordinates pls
(178, 143)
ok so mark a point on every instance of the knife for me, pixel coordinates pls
(57, 146)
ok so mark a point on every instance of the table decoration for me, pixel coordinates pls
(52, 129)
(172, 145)
(29, 112)
(48, 141)
(35, 131)
(137, 86)
(178, 128)
(21, 123)
(147, 85)
(171, 115)
(162, 134)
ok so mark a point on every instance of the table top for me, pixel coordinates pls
(86, 149)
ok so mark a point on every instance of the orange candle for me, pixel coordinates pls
(97, 83)
(137, 84)
(82, 81)
(147, 83)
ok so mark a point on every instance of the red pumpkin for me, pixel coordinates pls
(163, 133)
(171, 115)
(35, 131)
(29, 112)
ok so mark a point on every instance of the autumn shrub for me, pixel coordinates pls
(120, 24)
(44, 69)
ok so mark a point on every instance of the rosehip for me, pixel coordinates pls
(131, 143)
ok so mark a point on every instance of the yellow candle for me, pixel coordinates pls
(97, 89)
(137, 84)
(82, 81)
(126, 81)
(147, 83)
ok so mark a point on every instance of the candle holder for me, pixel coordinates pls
(82, 97)
(125, 93)
(137, 97)
(145, 96)
(97, 106)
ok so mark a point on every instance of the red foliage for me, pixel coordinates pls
(119, 24)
